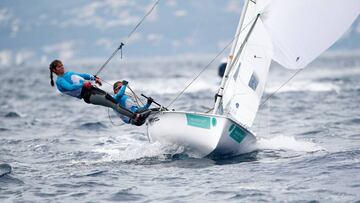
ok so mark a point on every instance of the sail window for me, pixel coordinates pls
(253, 83)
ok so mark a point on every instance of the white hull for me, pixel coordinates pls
(203, 134)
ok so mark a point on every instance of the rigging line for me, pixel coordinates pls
(106, 82)
(137, 99)
(109, 59)
(128, 37)
(111, 121)
(148, 13)
(197, 76)
(272, 94)
(207, 66)
(208, 111)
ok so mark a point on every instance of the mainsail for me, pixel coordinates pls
(249, 68)
(293, 33)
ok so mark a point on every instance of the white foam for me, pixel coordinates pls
(282, 142)
(133, 151)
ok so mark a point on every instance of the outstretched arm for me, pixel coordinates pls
(90, 77)
(86, 76)
(147, 105)
(143, 108)
(120, 93)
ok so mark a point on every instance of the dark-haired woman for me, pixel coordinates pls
(78, 85)
(126, 102)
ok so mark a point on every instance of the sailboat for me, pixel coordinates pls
(292, 33)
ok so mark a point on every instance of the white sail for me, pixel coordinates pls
(249, 69)
(301, 30)
(293, 33)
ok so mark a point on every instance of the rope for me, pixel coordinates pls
(207, 66)
(137, 98)
(272, 94)
(109, 59)
(111, 121)
(148, 13)
(208, 111)
(106, 82)
(197, 76)
(128, 37)
(120, 48)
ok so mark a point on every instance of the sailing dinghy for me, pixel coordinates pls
(292, 33)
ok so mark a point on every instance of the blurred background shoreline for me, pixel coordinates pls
(89, 31)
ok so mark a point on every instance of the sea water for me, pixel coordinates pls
(54, 148)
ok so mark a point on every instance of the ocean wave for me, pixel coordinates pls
(92, 126)
(5, 169)
(138, 151)
(281, 142)
(12, 114)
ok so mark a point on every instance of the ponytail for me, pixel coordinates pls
(53, 65)
(51, 78)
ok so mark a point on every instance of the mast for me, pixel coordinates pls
(227, 71)
(238, 30)
(231, 62)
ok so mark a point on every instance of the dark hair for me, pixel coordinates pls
(117, 84)
(51, 78)
(53, 65)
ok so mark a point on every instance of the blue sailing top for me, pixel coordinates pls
(71, 83)
(126, 102)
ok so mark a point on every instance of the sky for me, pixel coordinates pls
(38, 31)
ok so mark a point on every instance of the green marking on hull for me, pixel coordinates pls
(232, 127)
(198, 121)
(236, 133)
(213, 121)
